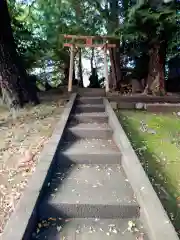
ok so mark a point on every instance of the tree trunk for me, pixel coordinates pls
(66, 65)
(92, 60)
(113, 24)
(156, 76)
(80, 72)
(115, 65)
(9, 79)
(66, 73)
(14, 81)
(74, 75)
(118, 64)
(113, 78)
(162, 62)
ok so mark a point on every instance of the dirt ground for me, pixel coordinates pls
(21, 140)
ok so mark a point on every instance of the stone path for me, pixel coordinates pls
(89, 196)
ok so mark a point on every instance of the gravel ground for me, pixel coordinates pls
(21, 141)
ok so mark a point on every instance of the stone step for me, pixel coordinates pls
(67, 158)
(88, 130)
(89, 108)
(91, 92)
(100, 117)
(89, 191)
(89, 229)
(88, 151)
(89, 100)
(89, 145)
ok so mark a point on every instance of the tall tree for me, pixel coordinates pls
(155, 29)
(113, 11)
(14, 87)
(113, 24)
(66, 17)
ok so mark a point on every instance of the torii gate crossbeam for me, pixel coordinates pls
(88, 43)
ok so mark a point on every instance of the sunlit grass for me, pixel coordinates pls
(158, 147)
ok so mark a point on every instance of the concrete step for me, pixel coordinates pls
(100, 117)
(88, 151)
(89, 145)
(91, 92)
(163, 107)
(89, 191)
(67, 158)
(89, 100)
(89, 229)
(89, 130)
(89, 108)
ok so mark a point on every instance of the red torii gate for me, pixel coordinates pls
(88, 42)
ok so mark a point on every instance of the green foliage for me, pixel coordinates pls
(145, 25)
(28, 43)
(39, 27)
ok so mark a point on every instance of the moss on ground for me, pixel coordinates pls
(156, 140)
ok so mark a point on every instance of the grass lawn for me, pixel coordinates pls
(156, 140)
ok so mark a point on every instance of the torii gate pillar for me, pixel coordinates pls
(71, 69)
(106, 69)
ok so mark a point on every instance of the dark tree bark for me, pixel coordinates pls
(66, 73)
(8, 80)
(115, 65)
(118, 64)
(162, 62)
(74, 75)
(65, 67)
(156, 77)
(113, 79)
(114, 53)
(14, 80)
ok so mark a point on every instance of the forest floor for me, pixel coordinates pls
(156, 140)
(21, 141)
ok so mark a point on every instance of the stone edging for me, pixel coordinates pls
(155, 218)
(143, 99)
(23, 218)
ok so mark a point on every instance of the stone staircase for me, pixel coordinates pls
(89, 196)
